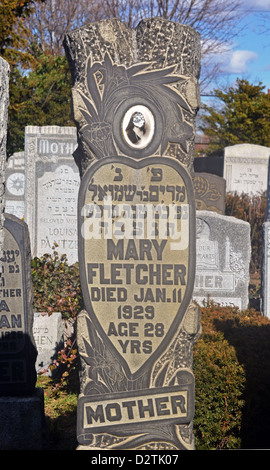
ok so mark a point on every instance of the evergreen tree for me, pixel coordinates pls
(242, 117)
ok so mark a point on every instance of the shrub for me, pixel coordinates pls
(232, 380)
(56, 285)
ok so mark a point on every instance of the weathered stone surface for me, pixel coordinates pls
(210, 192)
(4, 101)
(51, 191)
(134, 63)
(23, 422)
(15, 185)
(246, 168)
(48, 333)
(17, 347)
(135, 98)
(223, 256)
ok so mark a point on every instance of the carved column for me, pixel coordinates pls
(135, 99)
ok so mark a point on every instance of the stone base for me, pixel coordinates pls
(22, 422)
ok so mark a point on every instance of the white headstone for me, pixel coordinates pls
(15, 185)
(48, 332)
(222, 260)
(245, 168)
(51, 189)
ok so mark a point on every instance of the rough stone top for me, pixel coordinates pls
(36, 130)
(247, 151)
(155, 40)
(222, 218)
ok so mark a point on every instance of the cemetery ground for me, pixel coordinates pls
(231, 358)
(231, 367)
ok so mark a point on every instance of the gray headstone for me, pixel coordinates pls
(265, 263)
(15, 185)
(223, 256)
(135, 98)
(17, 347)
(4, 101)
(210, 192)
(246, 168)
(48, 333)
(51, 191)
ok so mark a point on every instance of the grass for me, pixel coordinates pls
(60, 415)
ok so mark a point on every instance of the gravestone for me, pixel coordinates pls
(48, 333)
(4, 101)
(19, 399)
(210, 192)
(51, 192)
(15, 185)
(17, 346)
(265, 263)
(135, 98)
(246, 168)
(222, 260)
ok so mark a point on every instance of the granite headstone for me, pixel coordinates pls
(246, 168)
(51, 190)
(222, 260)
(265, 263)
(48, 333)
(210, 192)
(15, 185)
(17, 346)
(135, 98)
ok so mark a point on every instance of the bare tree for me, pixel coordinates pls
(216, 20)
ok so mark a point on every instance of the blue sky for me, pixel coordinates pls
(248, 55)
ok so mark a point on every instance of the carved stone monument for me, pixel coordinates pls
(265, 264)
(245, 168)
(135, 98)
(4, 100)
(15, 185)
(51, 190)
(223, 256)
(210, 192)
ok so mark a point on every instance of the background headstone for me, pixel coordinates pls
(135, 98)
(17, 346)
(4, 101)
(246, 168)
(15, 185)
(222, 260)
(210, 192)
(265, 263)
(51, 191)
(48, 333)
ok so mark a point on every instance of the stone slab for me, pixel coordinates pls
(246, 168)
(222, 260)
(22, 422)
(210, 192)
(15, 185)
(48, 333)
(51, 190)
(17, 346)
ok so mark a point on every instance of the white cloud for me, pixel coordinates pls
(257, 4)
(238, 61)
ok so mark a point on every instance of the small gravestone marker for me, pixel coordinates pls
(52, 184)
(222, 260)
(15, 185)
(265, 264)
(245, 168)
(210, 192)
(21, 404)
(135, 101)
(17, 346)
(48, 332)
